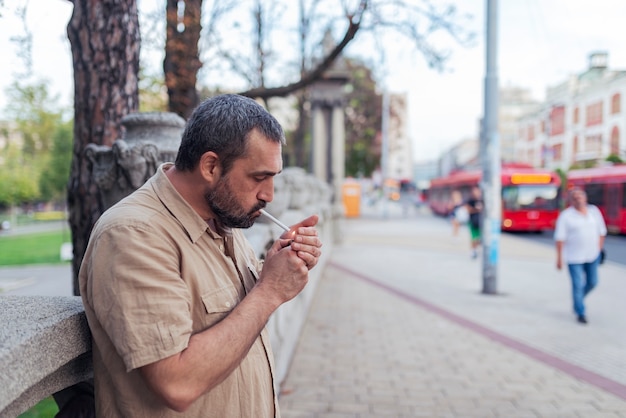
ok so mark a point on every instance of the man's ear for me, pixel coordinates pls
(210, 167)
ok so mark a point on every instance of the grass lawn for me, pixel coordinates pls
(36, 248)
(45, 409)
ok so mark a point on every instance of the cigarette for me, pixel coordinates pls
(276, 221)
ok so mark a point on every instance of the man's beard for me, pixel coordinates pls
(227, 209)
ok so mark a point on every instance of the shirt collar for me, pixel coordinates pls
(193, 223)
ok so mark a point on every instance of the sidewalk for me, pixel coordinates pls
(399, 328)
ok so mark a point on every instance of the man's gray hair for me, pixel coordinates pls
(222, 124)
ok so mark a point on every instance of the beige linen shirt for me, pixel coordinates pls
(154, 273)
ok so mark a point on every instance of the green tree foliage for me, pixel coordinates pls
(614, 158)
(35, 114)
(56, 170)
(19, 185)
(152, 92)
(584, 164)
(363, 121)
(33, 137)
(563, 189)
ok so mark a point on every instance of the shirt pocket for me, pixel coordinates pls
(218, 303)
(251, 278)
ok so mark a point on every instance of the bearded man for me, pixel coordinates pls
(175, 297)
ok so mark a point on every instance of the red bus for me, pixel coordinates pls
(605, 188)
(530, 197)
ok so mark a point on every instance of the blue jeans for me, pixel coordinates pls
(584, 279)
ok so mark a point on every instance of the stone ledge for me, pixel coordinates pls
(47, 349)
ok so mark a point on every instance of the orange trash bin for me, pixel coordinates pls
(351, 194)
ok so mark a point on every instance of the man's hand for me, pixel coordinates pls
(287, 263)
(303, 239)
(306, 242)
(559, 255)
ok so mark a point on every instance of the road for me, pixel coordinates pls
(37, 227)
(56, 280)
(614, 245)
(37, 280)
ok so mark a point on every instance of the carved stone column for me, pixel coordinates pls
(327, 101)
(328, 147)
(319, 143)
(338, 152)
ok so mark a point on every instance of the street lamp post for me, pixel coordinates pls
(490, 153)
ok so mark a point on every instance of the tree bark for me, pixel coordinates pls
(105, 40)
(182, 59)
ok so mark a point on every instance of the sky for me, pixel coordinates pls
(540, 43)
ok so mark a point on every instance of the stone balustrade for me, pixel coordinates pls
(44, 341)
(45, 346)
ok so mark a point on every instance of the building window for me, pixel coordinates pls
(595, 194)
(593, 114)
(557, 120)
(531, 133)
(593, 143)
(615, 103)
(557, 152)
(615, 140)
(575, 117)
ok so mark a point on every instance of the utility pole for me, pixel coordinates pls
(384, 163)
(490, 155)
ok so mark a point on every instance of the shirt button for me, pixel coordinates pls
(227, 304)
(221, 247)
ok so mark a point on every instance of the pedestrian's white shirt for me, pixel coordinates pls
(580, 234)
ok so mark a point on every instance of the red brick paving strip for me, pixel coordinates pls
(578, 372)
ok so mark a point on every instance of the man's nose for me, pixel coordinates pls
(267, 191)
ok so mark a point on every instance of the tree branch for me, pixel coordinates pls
(317, 73)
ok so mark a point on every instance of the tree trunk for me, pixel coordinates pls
(182, 60)
(105, 41)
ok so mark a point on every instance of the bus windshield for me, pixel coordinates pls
(530, 197)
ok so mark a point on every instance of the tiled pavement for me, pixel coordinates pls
(398, 328)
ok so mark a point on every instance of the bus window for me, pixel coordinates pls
(530, 197)
(509, 198)
(624, 195)
(595, 194)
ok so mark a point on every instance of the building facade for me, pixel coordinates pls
(400, 152)
(581, 122)
(514, 103)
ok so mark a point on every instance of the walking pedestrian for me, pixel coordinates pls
(458, 212)
(475, 208)
(579, 235)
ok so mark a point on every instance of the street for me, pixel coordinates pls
(55, 280)
(614, 245)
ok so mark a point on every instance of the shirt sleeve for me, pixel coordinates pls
(140, 299)
(559, 229)
(599, 221)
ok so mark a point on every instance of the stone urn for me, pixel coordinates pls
(149, 139)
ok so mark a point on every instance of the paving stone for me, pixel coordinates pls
(398, 327)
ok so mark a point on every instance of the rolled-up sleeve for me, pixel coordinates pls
(142, 300)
